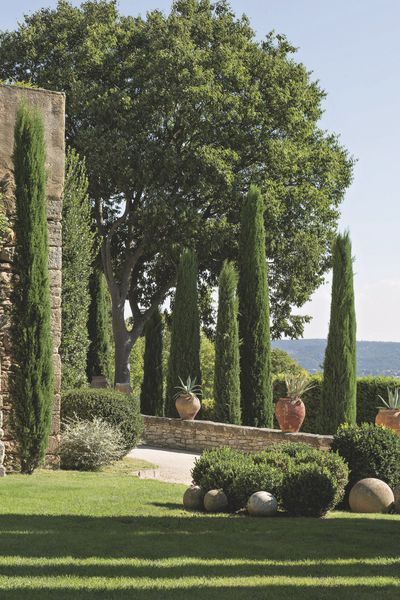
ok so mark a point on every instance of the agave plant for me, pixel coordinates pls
(297, 385)
(190, 388)
(393, 400)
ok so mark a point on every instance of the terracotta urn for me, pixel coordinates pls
(389, 417)
(187, 405)
(290, 413)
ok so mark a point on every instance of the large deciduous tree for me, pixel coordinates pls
(339, 390)
(254, 326)
(176, 114)
(32, 385)
(77, 260)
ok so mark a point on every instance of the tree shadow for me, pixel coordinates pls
(155, 549)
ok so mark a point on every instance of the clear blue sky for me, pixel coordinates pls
(353, 49)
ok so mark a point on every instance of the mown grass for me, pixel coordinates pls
(109, 535)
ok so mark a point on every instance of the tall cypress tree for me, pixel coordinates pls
(184, 356)
(77, 260)
(32, 387)
(151, 396)
(254, 326)
(227, 367)
(99, 357)
(338, 399)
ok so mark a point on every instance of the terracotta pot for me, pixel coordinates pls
(187, 406)
(389, 417)
(290, 413)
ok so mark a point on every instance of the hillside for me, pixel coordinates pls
(373, 358)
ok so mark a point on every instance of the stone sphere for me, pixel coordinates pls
(262, 504)
(193, 498)
(215, 501)
(371, 496)
(396, 493)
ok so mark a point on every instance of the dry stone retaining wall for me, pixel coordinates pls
(201, 435)
(52, 106)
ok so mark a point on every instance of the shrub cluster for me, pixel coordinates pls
(305, 481)
(121, 411)
(369, 451)
(88, 445)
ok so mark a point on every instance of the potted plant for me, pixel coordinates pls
(290, 411)
(389, 413)
(186, 401)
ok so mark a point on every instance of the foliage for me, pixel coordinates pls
(308, 490)
(176, 115)
(184, 356)
(187, 388)
(393, 398)
(98, 325)
(89, 445)
(207, 411)
(370, 451)
(282, 362)
(119, 410)
(32, 386)
(77, 258)
(207, 363)
(255, 348)
(297, 385)
(339, 390)
(227, 359)
(151, 397)
(137, 365)
(278, 468)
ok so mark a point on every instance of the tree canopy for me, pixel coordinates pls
(176, 114)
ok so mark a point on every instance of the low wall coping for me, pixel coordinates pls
(199, 435)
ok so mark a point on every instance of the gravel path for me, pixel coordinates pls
(173, 465)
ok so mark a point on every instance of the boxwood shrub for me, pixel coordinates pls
(309, 490)
(119, 410)
(369, 451)
(241, 474)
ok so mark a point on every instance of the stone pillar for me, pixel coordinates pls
(52, 106)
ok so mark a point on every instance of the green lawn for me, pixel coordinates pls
(110, 535)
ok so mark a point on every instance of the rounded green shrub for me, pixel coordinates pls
(89, 445)
(241, 474)
(309, 490)
(369, 451)
(119, 410)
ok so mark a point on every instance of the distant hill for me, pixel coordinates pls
(373, 358)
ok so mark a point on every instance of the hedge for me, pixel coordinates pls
(368, 389)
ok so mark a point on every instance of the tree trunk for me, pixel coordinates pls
(123, 345)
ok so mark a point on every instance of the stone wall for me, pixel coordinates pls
(52, 106)
(201, 435)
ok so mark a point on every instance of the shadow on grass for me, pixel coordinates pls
(194, 542)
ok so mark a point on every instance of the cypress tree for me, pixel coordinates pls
(339, 390)
(32, 387)
(151, 396)
(184, 356)
(77, 260)
(254, 327)
(227, 368)
(99, 358)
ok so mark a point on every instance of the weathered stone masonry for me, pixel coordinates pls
(52, 106)
(201, 435)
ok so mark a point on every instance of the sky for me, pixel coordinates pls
(352, 48)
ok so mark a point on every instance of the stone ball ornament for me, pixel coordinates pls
(193, 498)
(371, 495)
(215, 501)
(262, 504)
